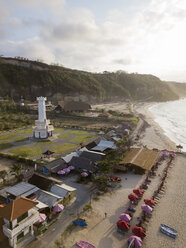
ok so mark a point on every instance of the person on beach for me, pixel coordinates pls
(105, 215)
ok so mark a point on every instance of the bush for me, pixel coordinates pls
(101, 182)
(87, 206)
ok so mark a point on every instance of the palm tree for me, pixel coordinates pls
(16, 170)
(3, 175)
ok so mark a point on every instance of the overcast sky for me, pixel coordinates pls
(144, 36)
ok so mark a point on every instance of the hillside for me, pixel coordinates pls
(29, 79)
(178, 88)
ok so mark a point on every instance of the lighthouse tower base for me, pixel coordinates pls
(42, 130)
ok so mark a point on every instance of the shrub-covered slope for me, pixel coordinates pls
(31, 79)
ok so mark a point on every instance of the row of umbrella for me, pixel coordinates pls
(136, 239)
(137, 193)
(66, 170)
(171, 153)
(139, 233)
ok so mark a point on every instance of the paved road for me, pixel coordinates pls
(83, 195)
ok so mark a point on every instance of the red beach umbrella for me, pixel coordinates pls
(149, 202)
(138, 192)
(138, 231)
(133, 197)
(123, 225)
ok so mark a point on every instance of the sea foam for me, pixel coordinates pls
(171, 116)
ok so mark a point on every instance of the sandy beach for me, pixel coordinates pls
(102, 231)
(153, 136)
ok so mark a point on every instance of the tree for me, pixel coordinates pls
(3, 175)
(104, 166)
(101, 182)
(16, 170)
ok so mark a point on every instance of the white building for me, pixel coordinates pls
(18, 218)
(43, 128)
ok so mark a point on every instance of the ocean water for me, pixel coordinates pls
(171, 116)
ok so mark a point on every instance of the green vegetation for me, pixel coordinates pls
(87, 206)
(63, 136)
(20, 139)
(5, 146)
(24, 131)
(19, 80)
(59, 129)
(82, 139)
(77, 132)
(3, 175)
(101, 181)
(7, 136)
(24, 151)
(13, 116)
(63, 148)
(16, 170)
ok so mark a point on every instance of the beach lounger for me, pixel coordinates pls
(84, 244)
(80, 223)
(149, 215)
(121, 231)
(131, 209)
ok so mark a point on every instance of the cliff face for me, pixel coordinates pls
(30, 79)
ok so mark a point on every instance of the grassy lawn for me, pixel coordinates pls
(24, 131)
(83, 139)
(7, 136)
(59, 129)
(44, 143)
(26, 151)
(63, 136)
(5, 145)
(77, 132)
(63, 148)
(20, 139)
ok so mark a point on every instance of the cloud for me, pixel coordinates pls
(34, 3)
(151, 40)
(30, 48)
(4, 15)
(125, 61)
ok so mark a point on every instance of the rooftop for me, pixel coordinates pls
(93, 156)
(56, 165)
(41, 182)
(141, 157)
(16, 208)
(82, 164)
(22, 188)
(58, 190)
(48, 198)
(75, 106)
(104, 145)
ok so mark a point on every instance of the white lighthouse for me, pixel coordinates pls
(42, 129)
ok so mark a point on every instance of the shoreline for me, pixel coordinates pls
(101, 231)
(153, 136)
